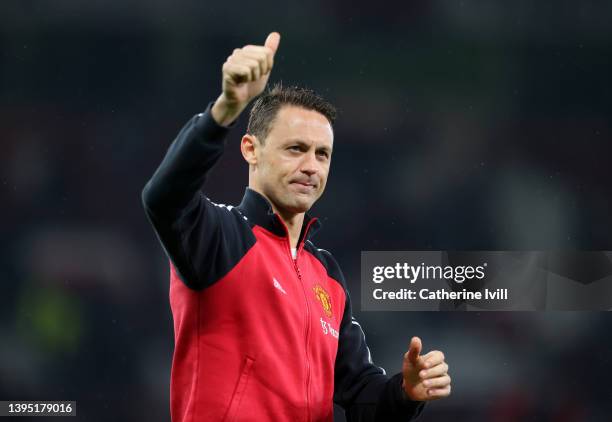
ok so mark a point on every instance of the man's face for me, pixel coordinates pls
(293, 164)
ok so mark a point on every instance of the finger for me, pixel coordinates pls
(270, 59)
(436, 371)
(236, 73)
(438, 393)
(252, 64)
(256, 49)
(414, 350)
(272, 41)
(433, 358)
(261, 58)
(262, 49)
(439, 382)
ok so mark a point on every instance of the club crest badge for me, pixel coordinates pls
(323, 297)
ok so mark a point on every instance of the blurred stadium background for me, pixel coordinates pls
(463, 125)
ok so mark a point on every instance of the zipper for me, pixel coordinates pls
(298, 250)
(299, 274)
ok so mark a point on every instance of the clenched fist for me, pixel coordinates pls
(245, 75)
(425, 377)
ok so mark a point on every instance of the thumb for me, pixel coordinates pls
(272, 41)
(414, 350)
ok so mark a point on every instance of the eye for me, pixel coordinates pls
(323, 154)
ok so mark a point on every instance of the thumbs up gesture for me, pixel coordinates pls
(425, 376)
(245, 74)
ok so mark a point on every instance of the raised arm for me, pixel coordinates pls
(188, 225)
(199, 144)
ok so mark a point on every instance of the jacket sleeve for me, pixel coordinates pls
(365, 392)
(203, 240)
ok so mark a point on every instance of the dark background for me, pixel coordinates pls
(463, 125)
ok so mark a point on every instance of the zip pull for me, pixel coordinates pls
(297, 269)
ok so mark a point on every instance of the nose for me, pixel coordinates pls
(310, 165)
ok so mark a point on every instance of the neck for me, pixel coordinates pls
(294, 223)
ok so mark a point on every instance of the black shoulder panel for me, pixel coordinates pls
(206, 241)
(328, 261)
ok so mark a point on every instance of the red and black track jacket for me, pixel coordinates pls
(259, 336)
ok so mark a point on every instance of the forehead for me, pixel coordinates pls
(293, 122)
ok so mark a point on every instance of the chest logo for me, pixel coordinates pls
(323, 297)
(278, 285)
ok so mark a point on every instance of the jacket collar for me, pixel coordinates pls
(256, 208)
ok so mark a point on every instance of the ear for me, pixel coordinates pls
(249, 146)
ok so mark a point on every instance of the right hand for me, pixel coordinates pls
(245, 75)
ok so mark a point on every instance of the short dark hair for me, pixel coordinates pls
(268, 104)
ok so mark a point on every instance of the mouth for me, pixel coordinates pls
(303, 187)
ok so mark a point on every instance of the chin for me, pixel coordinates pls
(299, 205)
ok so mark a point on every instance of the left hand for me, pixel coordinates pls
(425, 377)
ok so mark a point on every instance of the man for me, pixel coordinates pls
(262, 318)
